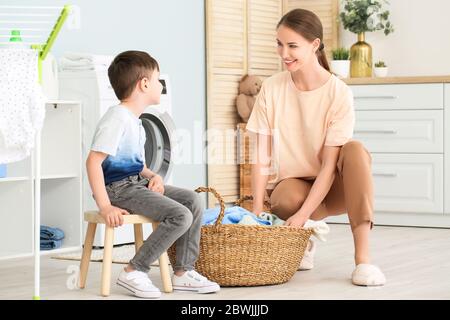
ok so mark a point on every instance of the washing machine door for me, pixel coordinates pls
(159, 128)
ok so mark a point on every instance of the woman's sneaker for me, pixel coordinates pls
(138, 283)
(193, 281)
(307, 262)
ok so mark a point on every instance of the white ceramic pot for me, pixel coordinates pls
(380, 72)
(340, 67)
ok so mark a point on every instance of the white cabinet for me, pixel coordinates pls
(398, 96)
(406, 127)
(447, 149)
(408, 182)
(60, 185)
(409, 131)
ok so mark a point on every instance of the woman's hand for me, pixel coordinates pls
(297, 220)
(257, 212)
(156, 184)
(257, 208)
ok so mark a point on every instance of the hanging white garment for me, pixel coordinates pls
(22, 104)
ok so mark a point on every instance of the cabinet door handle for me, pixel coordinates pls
(376, 131)
(375, 97)
(384, 174)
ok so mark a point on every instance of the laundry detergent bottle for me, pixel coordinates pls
(15, 41)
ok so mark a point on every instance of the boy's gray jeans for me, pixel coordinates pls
(179, 212)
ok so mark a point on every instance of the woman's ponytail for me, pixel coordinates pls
(322, 57)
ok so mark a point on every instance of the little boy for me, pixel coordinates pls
(122, 184)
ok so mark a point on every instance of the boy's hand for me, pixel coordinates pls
(156, 184)
(113, 215)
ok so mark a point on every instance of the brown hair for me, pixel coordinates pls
(307, 24)
(127, 69)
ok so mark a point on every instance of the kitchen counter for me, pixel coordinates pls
(398, 80)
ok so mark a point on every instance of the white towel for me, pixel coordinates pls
(81, 64)
(93, 58)
(22, 104)
(84, 61)
(320, 228)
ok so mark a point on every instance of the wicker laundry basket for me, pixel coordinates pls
(243, 255)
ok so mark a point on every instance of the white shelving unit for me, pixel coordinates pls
(61, 192)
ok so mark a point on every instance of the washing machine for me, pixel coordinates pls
(159, 129)
(93, 90)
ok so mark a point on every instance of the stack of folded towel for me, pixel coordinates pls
(73, 61)
(51, 238)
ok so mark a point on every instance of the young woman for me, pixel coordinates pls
(304, 119)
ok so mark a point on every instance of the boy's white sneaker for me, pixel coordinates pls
(193, 281)
(138, 283)
(307, 262)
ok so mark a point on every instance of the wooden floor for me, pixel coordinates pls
(416, 262)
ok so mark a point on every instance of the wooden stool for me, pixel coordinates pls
(93, 218)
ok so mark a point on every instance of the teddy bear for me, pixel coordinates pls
(249, 87)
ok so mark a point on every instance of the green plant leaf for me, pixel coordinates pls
(340, 54)
(358, 16)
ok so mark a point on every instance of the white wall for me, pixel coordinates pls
(172, 31)
(420, 44)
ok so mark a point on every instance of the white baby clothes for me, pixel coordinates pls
(22, 104)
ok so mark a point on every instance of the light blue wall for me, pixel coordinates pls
(172, 31)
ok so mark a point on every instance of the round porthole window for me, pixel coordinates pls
(158, 146)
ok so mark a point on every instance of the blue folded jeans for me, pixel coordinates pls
(50, 244)
(49, 233)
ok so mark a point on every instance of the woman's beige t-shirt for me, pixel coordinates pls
(301, 123)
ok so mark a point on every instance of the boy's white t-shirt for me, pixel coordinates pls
(120, 134)
(301, 123)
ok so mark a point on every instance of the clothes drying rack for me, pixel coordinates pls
(40, 33)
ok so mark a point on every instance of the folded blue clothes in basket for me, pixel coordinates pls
(50, 244)
(232, 215)
(49, 233)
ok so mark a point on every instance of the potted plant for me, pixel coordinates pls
(380, 69)
(340, 65)
(360, 16)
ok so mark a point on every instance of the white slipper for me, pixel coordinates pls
(368, 275)
(307, 262)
